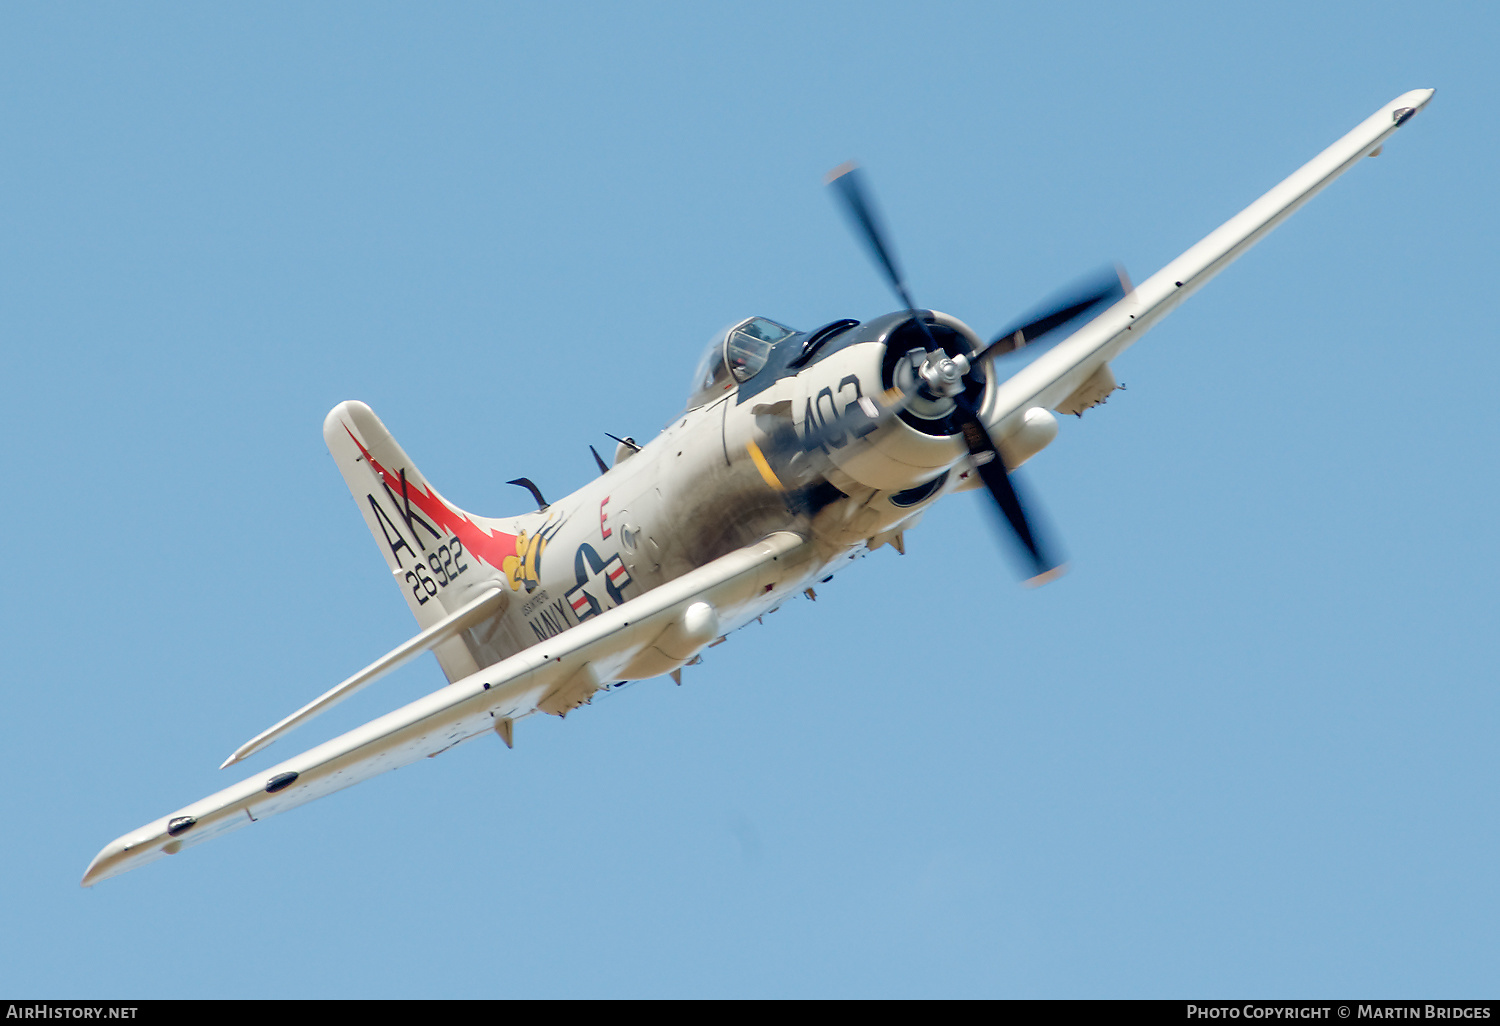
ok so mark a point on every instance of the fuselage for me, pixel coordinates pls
(711, 482)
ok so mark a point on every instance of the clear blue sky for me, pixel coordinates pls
(1247, 747)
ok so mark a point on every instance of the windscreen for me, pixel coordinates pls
(734, 355)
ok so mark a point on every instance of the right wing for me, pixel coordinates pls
(554, 676)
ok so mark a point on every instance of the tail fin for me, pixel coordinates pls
(440, 556)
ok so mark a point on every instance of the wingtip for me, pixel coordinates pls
(1413, 102)
(100, 867)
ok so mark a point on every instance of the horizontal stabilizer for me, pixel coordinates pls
(487, 605)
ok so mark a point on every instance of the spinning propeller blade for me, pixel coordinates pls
(1100, 289)
(848, 184)
(985, 455)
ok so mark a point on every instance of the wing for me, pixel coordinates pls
(552, 676)
(1055, 376)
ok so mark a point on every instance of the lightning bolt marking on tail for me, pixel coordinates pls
(490, 548)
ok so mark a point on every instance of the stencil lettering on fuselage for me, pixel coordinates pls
(549, 620)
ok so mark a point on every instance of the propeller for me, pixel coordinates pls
(847, 182)
(986, 458)
(943, 376)
(1103, 288)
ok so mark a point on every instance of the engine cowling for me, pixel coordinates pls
(913, 447)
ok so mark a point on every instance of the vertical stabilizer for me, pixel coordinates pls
(439, 556)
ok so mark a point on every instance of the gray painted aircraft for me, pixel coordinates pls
(797, 452)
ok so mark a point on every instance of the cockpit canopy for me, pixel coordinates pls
(736, 354)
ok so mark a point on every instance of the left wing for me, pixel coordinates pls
(554, 676)
(1066, 371)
